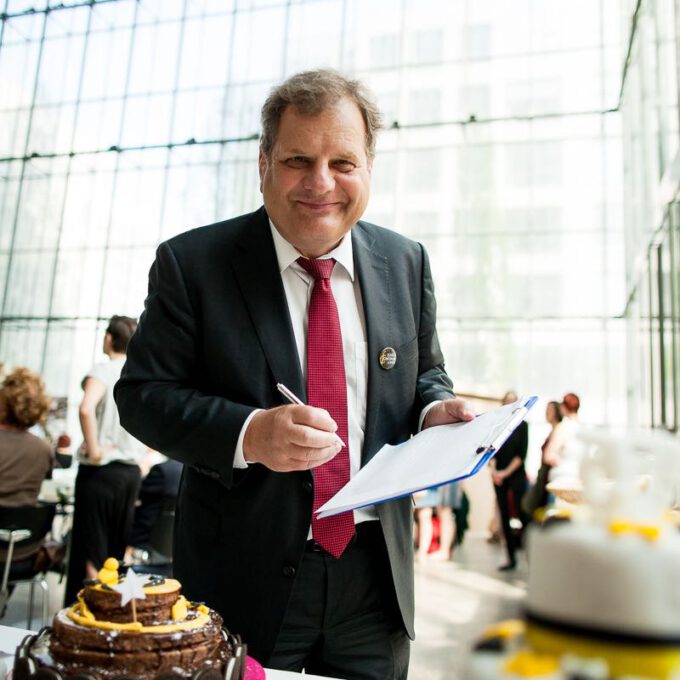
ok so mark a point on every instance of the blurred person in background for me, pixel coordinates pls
(25, 460)
(562, 453)
(109, 475)
(63, 456)
(510, 482)
(441, 500)
(537, 496)
(158, 493)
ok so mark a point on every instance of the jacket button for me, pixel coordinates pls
(288, 570)
(308, 486)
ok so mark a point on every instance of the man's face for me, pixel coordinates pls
(317, 182)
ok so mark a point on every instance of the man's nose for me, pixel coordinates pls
(319, 179)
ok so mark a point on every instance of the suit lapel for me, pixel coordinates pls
(257, 272)
(374, 279)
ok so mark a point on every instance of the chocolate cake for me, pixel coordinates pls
(157, 634)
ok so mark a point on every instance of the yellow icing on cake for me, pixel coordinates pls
(109, 572)
(179, 609)
(80, 614)
(659, 663)
(620, 526)
(529, 664)
(650, 532)
(506, 630)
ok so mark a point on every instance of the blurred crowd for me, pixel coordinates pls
(440, 515)
(118, 487)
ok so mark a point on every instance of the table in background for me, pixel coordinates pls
(10, 638)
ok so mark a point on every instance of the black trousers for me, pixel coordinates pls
(343, 620)
(104, 507)
(515, 485)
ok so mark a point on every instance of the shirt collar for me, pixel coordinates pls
(287, 254)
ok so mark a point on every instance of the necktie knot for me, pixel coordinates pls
(319, 269)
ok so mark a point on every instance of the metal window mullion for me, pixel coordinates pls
(5, 19)
(674, 315)
(661, 329)
(223, 117)
(650, 302)
(22, 174)
(67, 176)
(114, 182)
(603, 223)
(175, 91)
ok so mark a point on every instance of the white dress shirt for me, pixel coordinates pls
(298, 285)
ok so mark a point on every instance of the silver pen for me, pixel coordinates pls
(294, 399)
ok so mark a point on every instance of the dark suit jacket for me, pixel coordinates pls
(214, 339)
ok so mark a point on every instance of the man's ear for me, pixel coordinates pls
(262, 166)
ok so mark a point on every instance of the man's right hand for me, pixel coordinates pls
(289, 438)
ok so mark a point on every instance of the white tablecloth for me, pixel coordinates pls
(11, 637)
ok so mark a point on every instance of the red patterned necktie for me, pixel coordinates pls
(327, 388)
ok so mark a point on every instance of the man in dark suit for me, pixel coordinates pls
(226, 319)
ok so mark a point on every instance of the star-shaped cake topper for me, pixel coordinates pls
(131, 588)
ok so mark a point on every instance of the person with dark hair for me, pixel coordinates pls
(25, 460)
(302, 293)
(510, 482)
(108, 476)
(537, 496)
(157, 493)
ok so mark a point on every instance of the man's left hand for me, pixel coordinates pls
(449, 411)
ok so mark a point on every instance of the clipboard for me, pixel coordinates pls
(435, 456)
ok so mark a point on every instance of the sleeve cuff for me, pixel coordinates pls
(425, 411)
(240, 462)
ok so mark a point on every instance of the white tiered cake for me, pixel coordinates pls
(603, 595)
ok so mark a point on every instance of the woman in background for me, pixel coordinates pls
(444, 498)
(25, 460)
(561, 452)
(537, 496)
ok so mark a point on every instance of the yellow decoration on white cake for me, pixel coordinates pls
(506, 630)
(621, 526)
(529, 664)
(623, 659)
(650, 531)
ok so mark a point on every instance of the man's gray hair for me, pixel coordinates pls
(311, 93)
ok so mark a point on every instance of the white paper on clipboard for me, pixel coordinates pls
(433, 457)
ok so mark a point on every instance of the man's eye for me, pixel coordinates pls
(344, 166)
(296, 162)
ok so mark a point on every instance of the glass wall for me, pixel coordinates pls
(123, 122)
(650, 112)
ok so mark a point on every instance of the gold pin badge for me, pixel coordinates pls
(387, 358)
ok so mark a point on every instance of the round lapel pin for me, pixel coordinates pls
(387, 358)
